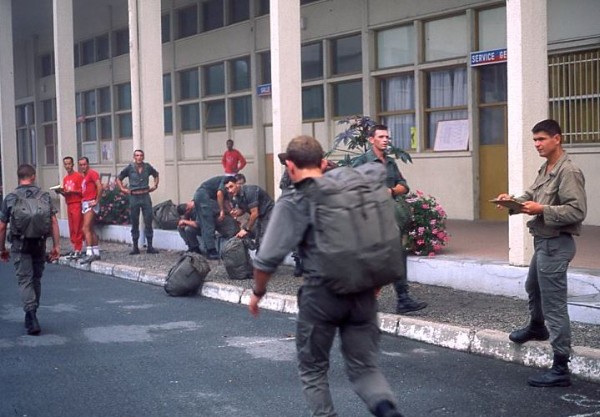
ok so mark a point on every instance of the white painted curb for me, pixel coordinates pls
(585, 361)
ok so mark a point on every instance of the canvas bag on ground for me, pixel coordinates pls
(237, 259)
(31, 214)
(187, 275)
(358, 240)
(165, 215)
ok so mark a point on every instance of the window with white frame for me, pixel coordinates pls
(212, 15)
(239, 10)
(93, 50)
(313, 103)
(574, 93)
(120, 42)
(311, 56)
(94, 123)
(241, 111)
(189, 87)
(167, 102)
(49, 130)
(123, 111)
(396, 47)
(347, 98)
(239, 82)
(214, 114)
(102, 47)
(447, 98)
(46, 65)
(187, 21)
(397, 108)
(346, 55)
(264, 60)
(239, 74)
(214, 79)
(492, 104)
(165, 28)
(446, 38)
(189, 95)
(262, 7)
(26, 140)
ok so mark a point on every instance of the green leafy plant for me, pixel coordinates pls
(427, 227)
(114, 206)
(356, 141)
(427, 231)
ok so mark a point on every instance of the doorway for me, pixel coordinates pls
(493, 143)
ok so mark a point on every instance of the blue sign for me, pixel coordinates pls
(263, 90)
(495, 56)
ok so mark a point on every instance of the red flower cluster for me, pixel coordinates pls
(427, 232)
(114, 206)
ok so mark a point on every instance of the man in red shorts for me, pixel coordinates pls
(71, 191)
(90, 207)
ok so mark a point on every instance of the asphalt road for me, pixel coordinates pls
(111, 347)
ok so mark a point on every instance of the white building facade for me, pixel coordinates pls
(459, 82)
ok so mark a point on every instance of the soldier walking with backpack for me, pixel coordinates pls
(379, 138)
(32, 219)
(341, 274)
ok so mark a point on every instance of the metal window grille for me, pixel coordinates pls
(574, 90)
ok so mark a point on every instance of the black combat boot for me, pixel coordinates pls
(150, 248)
(406, 304)
(386, 409)
(557, 376)
(31, 323)
(533, 331)
(136, 249)
(212, 254)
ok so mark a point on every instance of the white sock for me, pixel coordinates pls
(88, 251)
(96, 250)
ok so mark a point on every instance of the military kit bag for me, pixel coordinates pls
(236, 259)
(357, 238)
(165, 215)
(31, 215)
(187, 275)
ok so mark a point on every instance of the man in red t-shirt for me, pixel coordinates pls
(90, 207)
(71, 191)
(233, 161)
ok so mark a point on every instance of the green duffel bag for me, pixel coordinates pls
(187, 275)
(237, 259)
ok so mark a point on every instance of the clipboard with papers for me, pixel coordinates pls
(510, 204)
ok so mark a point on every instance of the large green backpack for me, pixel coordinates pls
(31, 214)
(357, 238)
(187, 275)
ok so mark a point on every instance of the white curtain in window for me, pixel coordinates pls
(447, 88)
(400, 126)
(399, 94)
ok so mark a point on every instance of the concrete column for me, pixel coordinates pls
(147, 88)
(8, 128)
(527, 64)
(64, 69)
(285, 76)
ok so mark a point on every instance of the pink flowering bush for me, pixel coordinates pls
(114, 206)
(427, 231)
